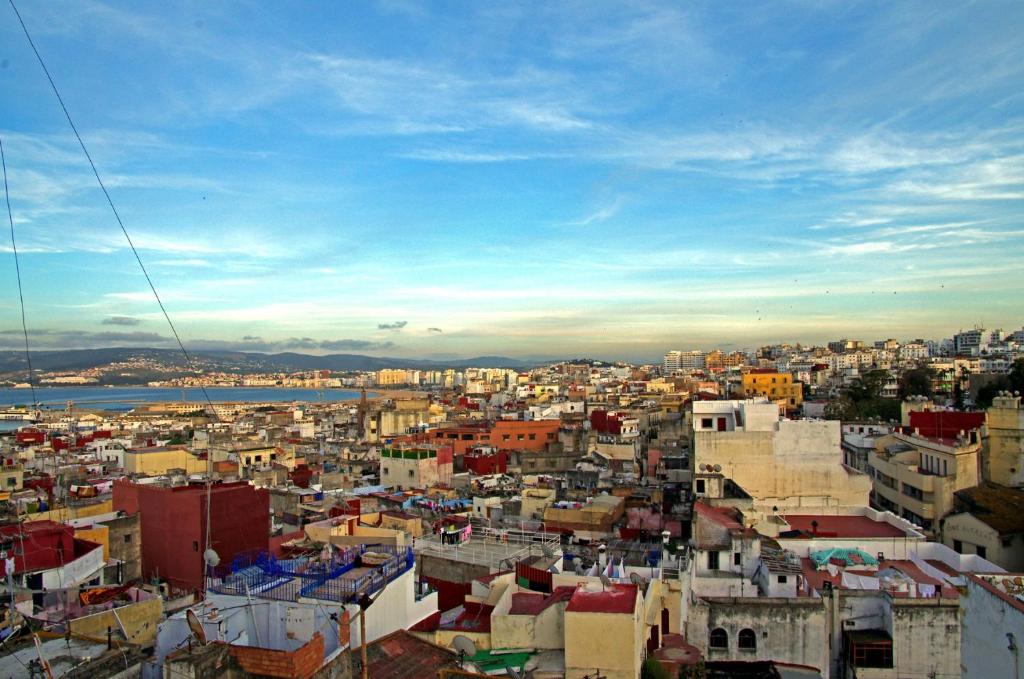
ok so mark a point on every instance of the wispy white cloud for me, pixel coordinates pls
(601, 214)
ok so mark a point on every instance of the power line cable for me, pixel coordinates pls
(174, 331)
(17, 269)
(110, 202)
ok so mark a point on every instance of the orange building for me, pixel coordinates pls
(777, 386)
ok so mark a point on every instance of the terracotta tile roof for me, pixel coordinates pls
(401, 655)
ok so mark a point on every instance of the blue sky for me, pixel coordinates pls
(523, 179)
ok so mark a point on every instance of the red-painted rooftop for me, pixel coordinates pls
(724, 516)
(843, 526)
(533, 603)
(615, 599)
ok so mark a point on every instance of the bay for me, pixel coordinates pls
(126, 398)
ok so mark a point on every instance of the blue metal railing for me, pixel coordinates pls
(270, 578)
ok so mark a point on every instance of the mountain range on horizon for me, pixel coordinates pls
(13, 362)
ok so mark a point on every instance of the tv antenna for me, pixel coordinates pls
(465, 647)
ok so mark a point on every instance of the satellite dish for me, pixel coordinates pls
(553, 570)
(197, 628)
(718, 468)
(211, 558)
(465, 647)
(636, 579)
(605, 582)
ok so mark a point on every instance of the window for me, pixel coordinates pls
(719, 638)
(945, 470)
(700, 486)
(747, 640)
(533, 437)
(911, 491)
(128, 538)
(737, 559)
(412, 473)
(705, 423)
(958, 547)
(195, 545)
(783, 579)
(506, 437)
(519, 437)
(871, 652)
(713, 561)
(384, 471)
(551, 437)
(257, 458)
(1007, 542)
(981, 551)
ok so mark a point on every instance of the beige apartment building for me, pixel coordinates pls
(779, 463)
(915, 477)
(1003, 461)
(158, 460)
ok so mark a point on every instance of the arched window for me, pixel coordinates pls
(719, 638)
(747, 640)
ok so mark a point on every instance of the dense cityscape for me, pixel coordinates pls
(406, 339)
(847, 510)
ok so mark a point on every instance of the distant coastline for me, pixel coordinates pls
(121, 398)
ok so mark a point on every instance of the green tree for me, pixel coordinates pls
(653, 669)
(1016, 376)
(1013, 381)
(917, 382)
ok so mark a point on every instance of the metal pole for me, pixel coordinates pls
(362, 640)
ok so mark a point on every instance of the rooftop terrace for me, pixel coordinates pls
(492, 546)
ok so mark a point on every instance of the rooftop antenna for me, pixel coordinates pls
(465, 647)
(197, 627)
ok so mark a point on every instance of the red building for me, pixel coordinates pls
(173, 526)
(945, 424)
(481, 463)
(28, 437)
(608, 421)
(47, 555)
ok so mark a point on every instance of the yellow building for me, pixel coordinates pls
(160, 459)
(596, 615)
(778, 387)
(392, 377)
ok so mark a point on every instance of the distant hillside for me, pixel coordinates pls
(237, 361)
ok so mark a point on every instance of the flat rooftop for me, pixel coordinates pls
(491, 547)
(831, 526)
